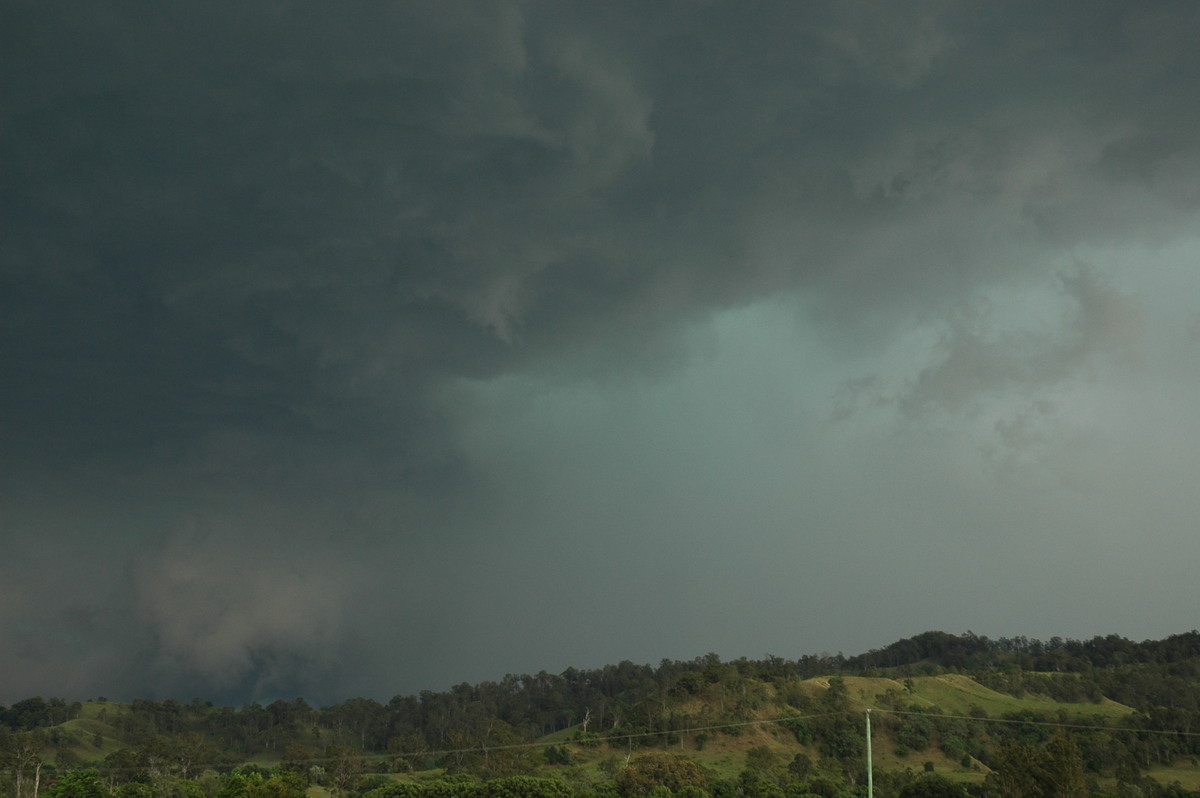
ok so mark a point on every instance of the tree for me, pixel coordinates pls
(191, 750)
(800, 766)
(364, 720)
(557, 755)
(761, 758)
(125, 765)
(914, 732)
(80, 784)
(751, 784)
(523, 787)
(649, 770)
(343, 765)
(27, 714)
(933, 786)
(296, 758)
(66, 759)
(21, 754)
(253, 784)
(1064, 766)
(1053, 770)
(837, 697)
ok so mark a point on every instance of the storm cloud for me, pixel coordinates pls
(368, 350)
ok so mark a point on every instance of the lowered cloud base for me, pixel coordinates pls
(369, 352)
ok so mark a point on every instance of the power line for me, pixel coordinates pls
(629, 736)
(1020, 721)
(485, 749)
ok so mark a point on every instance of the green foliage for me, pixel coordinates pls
(510, 787)
(523, 787)
(751, 784)
(557, 755)
(823, 786)
(690, 791)
(932, 786)
(690, 683)
(175, 787)
(801, 766)
(799, 728)
(659, 768)
(837, 697)
(254, 783)
(761, 758)
(843, 740)
(84, 783)
(605, 789)
(37, 712)
(394, 790)
(914, 732)
(1053, 770)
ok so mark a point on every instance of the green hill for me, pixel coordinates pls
(949, 704)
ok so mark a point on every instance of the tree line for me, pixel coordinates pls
(482, 733)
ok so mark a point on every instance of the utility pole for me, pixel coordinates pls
(870, 777)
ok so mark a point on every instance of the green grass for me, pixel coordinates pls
(92, 710)
(563, 736)
(726, 765)
(885, 758)
(1187, 775)
(955, 694)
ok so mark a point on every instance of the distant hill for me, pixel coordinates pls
(950, 704)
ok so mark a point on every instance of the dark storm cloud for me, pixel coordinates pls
(283, 218)
(251, 256)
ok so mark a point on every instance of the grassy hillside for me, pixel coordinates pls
(731, 718)
(722, 746)
(957, 694)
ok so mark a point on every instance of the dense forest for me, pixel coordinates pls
(950, 715)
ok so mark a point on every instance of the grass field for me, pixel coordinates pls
(955, 694)
(724, 751)
(1187, 774)
(102, 710)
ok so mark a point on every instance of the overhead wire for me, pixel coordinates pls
(630, 736)
(1023, 721)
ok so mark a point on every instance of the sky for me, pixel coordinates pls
(363, 349)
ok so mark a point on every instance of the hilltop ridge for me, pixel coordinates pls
(950, 706)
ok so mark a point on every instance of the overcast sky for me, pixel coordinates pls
(361, 349)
